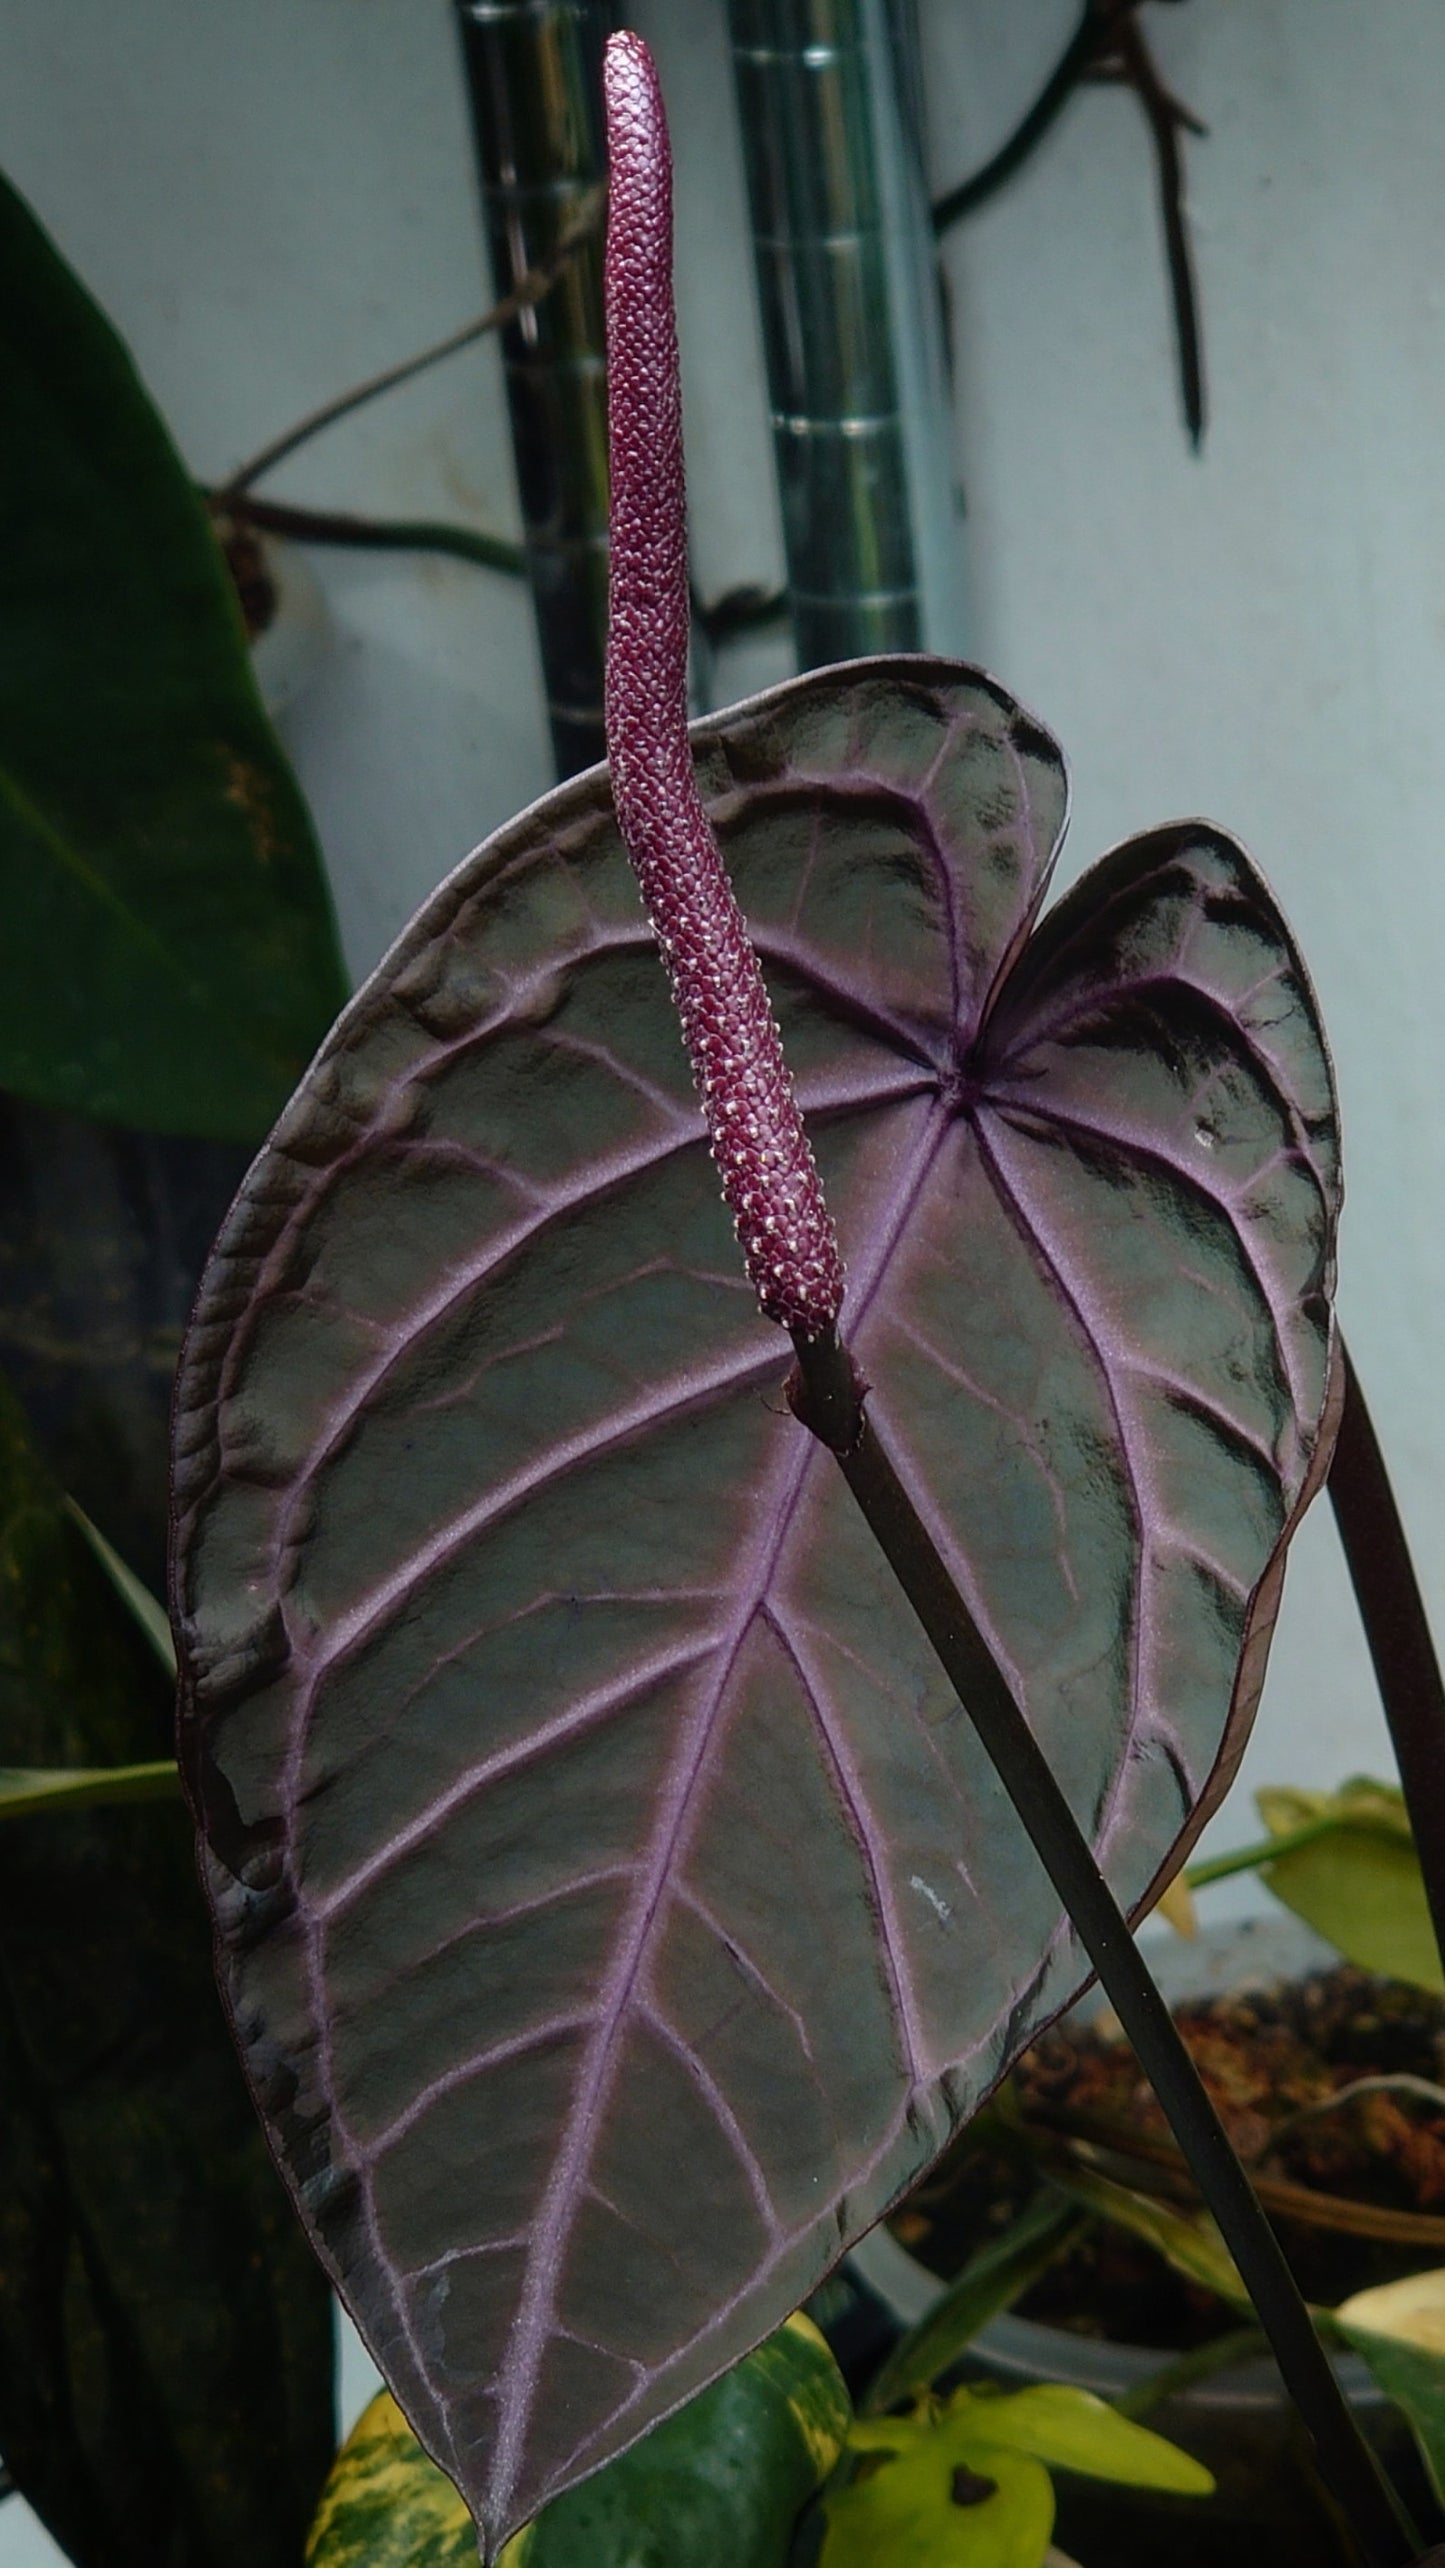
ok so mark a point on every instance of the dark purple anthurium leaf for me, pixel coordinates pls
(616, 1909)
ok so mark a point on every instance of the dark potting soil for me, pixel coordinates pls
(1265, 2056)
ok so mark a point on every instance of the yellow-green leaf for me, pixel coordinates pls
(1070, 2429)
(386, 2505)
(27, 1788)
(722, 2481)
(1399, 2328)
(905, 2513)
(1355, 1876)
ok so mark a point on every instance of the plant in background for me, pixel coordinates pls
(957, 2482)
(169, 963)
(1347, 1863)
(616, 1905)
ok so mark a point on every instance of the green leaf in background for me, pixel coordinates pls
(1069, 2429)
(169, 956)
(719, 2485)
(724, 2480)
(386, 2505)
(26, 1789)
(989, 2282)
(928, 2509)
(1399, 2328)
(1354, 1876)
(967, 2486)
(1188, 2241)
(165, 2336)
(147, 1610)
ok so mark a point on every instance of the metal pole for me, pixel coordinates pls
(534, 81)
(828, 92)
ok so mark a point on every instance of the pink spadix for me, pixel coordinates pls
(768, 1176)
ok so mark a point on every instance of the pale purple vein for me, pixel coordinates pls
(581, 1716)
(1021, 1428)
(600, 1178)
(923, 1729)
(738, 1952)
(516, 2047)
(853, 1802)
(536, 2308)
(1283, 1311)
(721, 2110)
(1032, 1033)
(1012, 1194)
(484, 1920)
(591, 1444)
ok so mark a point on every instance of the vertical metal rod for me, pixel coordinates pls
(534, 82)
(852, 328)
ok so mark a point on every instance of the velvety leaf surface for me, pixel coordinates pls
(169, 956)
(165, 2336)
(616, 1909)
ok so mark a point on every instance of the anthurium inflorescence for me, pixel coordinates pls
(768, 1175)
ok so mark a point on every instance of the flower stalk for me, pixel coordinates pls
(769, 1180)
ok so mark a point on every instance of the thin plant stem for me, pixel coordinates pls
(370, 534)
(1265, 1850)
(824, 1394)
(1070, 69)
(1397, 1631)
(528, 290)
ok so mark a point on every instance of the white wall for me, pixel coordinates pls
(274, 199)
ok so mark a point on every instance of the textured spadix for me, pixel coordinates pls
(615, 1908)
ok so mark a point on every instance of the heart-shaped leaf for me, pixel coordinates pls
(617, 1910)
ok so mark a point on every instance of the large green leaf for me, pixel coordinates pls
(1349, 1868)
(719, 2485)
(169, 957)
(616, 1907)
(165, 2355)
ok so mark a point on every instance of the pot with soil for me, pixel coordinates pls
(1331, 2083)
